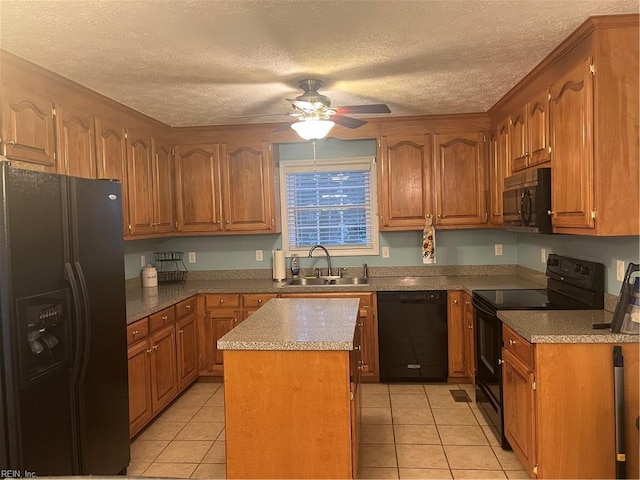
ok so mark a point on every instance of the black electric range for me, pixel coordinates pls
(572, 284)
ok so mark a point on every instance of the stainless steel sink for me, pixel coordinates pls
(314, 281)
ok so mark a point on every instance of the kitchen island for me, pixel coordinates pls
(291, 390)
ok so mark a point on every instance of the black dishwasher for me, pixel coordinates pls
(412, 331)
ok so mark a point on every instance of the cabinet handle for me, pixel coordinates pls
(164, 317)
(188, 307)
(358, 347)
(180, 332)
(221, 300)
(512, 342)
(467, 302)
(149, 351)
(550, 213)
(227, 222)
(470, 327)
(439, 216)
(259, 300)
(235, 320)
(359, 324)
(135, 333)
(155, 347)
(500, 361)
(11, 142)
(455, 301)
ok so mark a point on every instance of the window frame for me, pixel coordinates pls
(331, 164)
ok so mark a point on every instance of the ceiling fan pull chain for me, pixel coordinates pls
(313, 142)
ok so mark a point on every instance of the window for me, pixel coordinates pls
(329, 202)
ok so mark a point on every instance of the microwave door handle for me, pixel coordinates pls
(526, 206)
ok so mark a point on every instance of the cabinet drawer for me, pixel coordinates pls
(517, 345)
(257, 300)
(137, 330)
(222, 300)
(161, 318)
(186, 307)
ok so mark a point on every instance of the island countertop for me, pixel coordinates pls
(296, 324)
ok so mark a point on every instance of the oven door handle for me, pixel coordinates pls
(485, 311)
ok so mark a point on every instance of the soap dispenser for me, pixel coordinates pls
(295, 265)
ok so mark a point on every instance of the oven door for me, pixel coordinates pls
(488, 351)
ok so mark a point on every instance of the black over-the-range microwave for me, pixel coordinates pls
(527, 201)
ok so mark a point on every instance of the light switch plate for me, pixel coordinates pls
(385, 252)
(543, 255)
(620, 270)
(259, 256)
(498, 249)
(192, 257)
(143, 262)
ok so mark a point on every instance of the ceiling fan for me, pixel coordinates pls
(314, 116)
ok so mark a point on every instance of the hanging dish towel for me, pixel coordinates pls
(429, 241)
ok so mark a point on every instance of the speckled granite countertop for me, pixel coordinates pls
(145, 301)
(296, 324)
(563, 326)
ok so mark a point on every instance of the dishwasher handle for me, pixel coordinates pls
(434, 296)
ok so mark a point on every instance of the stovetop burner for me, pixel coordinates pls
(527, 300)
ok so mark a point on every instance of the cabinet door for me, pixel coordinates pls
(27, 128)
(187, 343)
(369, 343)
(198, 188)
(498, 171)
(538, 129)
(139, 386)
(140, 180)
(247, 184)
(469, 339)
(460, 179)
(111, 153)
(164, 379)
(518, 134)
(220, 322)
(163, 188)
(455, 333)
(571, 126)
(76, 143)
(405, 194)
(519, 408)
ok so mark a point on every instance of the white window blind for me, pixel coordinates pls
(329, 202)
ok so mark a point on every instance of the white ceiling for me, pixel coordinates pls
(197, 62)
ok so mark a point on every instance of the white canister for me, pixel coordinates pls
(149, 276)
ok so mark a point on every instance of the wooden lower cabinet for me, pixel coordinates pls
(139, 386)
(469, 338)
(559, 410)
(313, 410)
(455, 335)
(163, 360)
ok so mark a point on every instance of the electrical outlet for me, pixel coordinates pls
(543, 255)
(498, 249)
(620, 270)
(259, 256)
(143, 261)
(192, 257)
(385, 252)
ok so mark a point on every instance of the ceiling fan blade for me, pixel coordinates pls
(355, 109)
(282, 128)
(348, 122)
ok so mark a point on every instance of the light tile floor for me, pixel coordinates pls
(408, 431)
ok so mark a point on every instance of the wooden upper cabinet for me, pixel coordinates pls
(498, 170)
(140, 177)
(460, 179)
(538, 129)
(247, 188)
(27, 129)
(111, 154)
(518, 136)
(75, 143)
(163, 187)
(198, 206)
(404, 179)
(571, 127)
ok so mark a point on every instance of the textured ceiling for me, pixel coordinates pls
(189, 62)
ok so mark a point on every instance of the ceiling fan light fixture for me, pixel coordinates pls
(312, 129)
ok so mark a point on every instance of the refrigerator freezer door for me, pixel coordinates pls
(102, 389)
(38, 417)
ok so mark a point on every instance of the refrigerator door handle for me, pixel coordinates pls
(76, 364)
(86, 341)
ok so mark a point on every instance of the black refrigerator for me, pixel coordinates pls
(63, 358)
